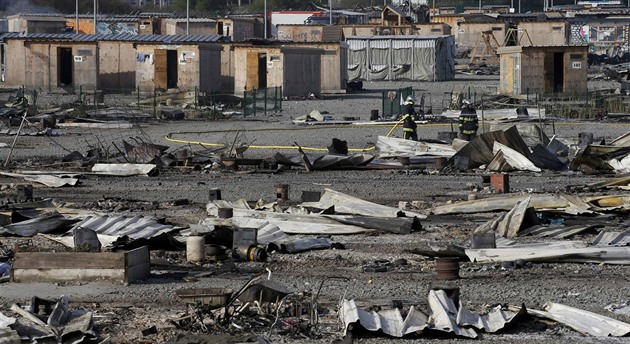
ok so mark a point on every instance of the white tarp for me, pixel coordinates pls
(395, 147)
(123, 170)
(346, 204)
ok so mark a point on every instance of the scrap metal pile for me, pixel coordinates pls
(528, 227)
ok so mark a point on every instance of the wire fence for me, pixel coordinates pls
(107, 120)
(262, 100)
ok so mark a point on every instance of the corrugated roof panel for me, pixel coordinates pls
(423, 43)
(357, 44)
(379, 43)
(612, 238)
(402, 44)
(170, 39)
(137, 227)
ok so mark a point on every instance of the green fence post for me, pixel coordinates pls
(138, 94)
(265, 101)
(254, 101)
(154, 103)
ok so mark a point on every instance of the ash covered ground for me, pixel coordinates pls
(122, 312)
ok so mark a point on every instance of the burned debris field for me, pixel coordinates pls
(314, 224)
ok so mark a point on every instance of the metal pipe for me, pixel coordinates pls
(16, 136)
(265, 18)
(187, 17)
(483, 118)
(76, 18)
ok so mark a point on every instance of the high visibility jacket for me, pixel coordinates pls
(468, 122)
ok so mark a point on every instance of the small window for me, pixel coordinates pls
(436, 30)
(556, 28)
(497, 28)
(576, 56)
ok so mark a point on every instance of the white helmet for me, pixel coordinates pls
(466, 102)
(410, 99)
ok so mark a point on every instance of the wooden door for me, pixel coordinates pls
(160, 78)
(252, 71)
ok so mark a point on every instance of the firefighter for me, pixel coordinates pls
(468, 122)
(409, 120)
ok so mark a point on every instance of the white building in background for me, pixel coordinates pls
(596, 3)
(159, 3)
(413, 2)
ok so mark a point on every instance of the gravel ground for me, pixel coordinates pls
(123, 311)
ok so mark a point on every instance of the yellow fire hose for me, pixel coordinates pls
(169, 138)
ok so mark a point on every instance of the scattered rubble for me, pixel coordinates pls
(226, 291)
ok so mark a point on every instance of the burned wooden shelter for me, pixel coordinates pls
(299, 68)
(71, 62)
(549, 70)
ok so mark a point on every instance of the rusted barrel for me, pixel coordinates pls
(282, 192)
(447, 268)
(251, 253)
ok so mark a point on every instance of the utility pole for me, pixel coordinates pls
(76, 18)
(330, 11)
(265, 19)
(95, 14)
(187, 17)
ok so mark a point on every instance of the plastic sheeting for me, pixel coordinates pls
(421, 58)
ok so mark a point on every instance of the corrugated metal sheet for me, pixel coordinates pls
(612, 238)
(194, 20)
(379, 43)
(423, 43)
(137, 227)
(160, 39)
(355, 44)
(404, 37)
(402, 44)
(100, 17)
(557, 232)
(584, 321)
